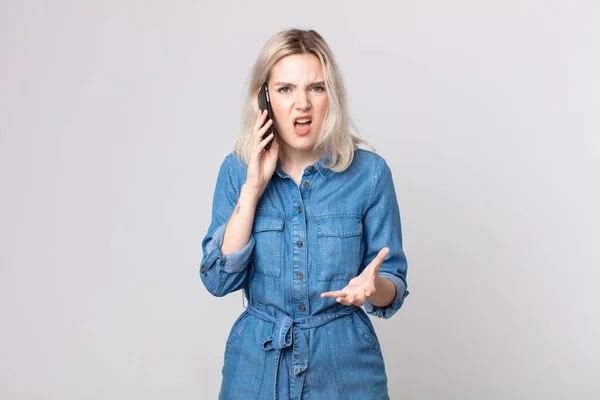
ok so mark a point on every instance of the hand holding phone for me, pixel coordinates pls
(264, 103)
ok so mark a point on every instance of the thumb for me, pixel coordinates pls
(376, 268)
(379, 259)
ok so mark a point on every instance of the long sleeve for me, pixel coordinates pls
(222, 274)
(382, 228)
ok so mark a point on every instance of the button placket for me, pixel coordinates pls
(299, 253)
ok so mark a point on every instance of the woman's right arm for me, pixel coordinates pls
(228, 245)
(239, 227)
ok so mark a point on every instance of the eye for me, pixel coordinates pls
(319, 89)
(281, 89)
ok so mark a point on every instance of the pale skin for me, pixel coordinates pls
(367, 286)
(296, 88)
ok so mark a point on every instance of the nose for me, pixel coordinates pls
(302, 100)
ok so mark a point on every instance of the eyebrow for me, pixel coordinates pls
(320, 83)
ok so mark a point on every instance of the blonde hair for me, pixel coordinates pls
(335, 136)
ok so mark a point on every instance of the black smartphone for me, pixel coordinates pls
(264, 103)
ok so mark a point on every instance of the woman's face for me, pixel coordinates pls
(299, 100)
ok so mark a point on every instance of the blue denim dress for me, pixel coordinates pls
(289, 343)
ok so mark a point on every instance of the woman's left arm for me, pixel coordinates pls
(381, 286)
(382, 228)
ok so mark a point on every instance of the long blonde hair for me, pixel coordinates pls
(335, 136)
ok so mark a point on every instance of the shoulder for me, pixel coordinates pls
(367, 156)
(375, 170)
(233, 163)
(364, 165)
(234, 168)
(367, 160)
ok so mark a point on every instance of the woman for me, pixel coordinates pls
(310, 230)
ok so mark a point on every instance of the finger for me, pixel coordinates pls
(377, 268)
(382, 254)
(336, 293)
(264, 142)
(358, 301)
(378, 260)
(259, 129)
(260, 122)
(262, 131)
(260, 118)
(350, 301)
(259, 135)
(343, 301)
(257, 120)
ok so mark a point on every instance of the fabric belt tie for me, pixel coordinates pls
(289, 332)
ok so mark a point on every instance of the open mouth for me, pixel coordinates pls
(302, 125)
(302, 122)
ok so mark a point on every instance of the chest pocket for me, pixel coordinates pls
(268, 251)
(338, 248)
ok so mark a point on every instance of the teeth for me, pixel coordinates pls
(302, 121)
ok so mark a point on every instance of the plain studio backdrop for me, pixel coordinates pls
(116, 115)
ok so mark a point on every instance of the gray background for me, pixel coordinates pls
(116, 115)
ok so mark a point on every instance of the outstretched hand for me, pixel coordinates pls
(362, 286)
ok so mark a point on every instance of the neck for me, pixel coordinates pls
(297, 159)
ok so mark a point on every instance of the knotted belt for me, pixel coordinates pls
(291, 332)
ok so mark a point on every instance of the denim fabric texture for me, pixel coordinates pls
(290, 343)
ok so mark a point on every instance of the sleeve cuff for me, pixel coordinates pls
(401, 293)
(230, 263)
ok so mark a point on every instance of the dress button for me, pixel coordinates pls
(299, 243)
(203, 270)
(301, 308)
(298, 210)
(300, 275)
(311, 168)
(306, 184)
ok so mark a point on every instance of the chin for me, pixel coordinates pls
(304, 145)
(296, 142)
